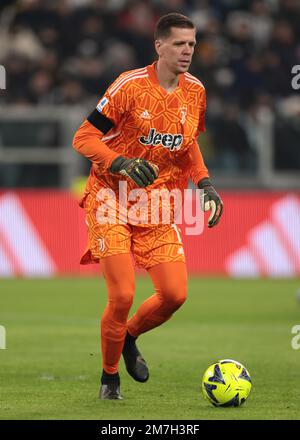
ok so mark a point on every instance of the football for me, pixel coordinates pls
(226, 383)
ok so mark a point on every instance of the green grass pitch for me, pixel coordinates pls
(51, 366)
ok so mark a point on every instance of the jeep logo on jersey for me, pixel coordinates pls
(167, 140)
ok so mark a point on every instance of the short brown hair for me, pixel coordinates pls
(173, 19)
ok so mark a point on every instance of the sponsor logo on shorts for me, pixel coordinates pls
(167, 140)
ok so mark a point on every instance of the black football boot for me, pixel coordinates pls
(134, 361)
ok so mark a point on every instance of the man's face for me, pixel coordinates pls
(177, 49)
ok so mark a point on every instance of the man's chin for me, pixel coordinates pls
(183, 68)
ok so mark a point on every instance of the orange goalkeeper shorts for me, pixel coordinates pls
(149, 245)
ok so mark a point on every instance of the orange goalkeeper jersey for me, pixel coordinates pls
(150, 123)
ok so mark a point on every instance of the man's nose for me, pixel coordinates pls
(187, 49)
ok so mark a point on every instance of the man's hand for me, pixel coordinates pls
(211, 201)
(142, 172)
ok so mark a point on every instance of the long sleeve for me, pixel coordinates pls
(87, 141)
(198, 169)
(108, 114)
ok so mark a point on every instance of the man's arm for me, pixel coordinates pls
(108, 113)
(200, 177)
(198, 169)
(211, 200)
(88, 141)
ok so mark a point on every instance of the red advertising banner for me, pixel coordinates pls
(43, 234)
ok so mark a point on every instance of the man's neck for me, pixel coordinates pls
(168, 80)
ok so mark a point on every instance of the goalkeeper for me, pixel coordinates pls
(144, 131)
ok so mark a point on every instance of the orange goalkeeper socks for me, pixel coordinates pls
(119, 275)
(170, 282)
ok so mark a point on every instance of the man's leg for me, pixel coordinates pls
(118, 272)
(170, 283)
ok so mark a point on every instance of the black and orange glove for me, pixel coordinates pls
(211, 201)
(142, 172)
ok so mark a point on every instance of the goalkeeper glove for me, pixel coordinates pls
(211, 201)
(142, 172)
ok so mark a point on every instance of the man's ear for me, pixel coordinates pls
(158, 45)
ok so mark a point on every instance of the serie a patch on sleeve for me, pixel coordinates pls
(102, 103)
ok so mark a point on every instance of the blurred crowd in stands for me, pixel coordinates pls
(69, 51)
